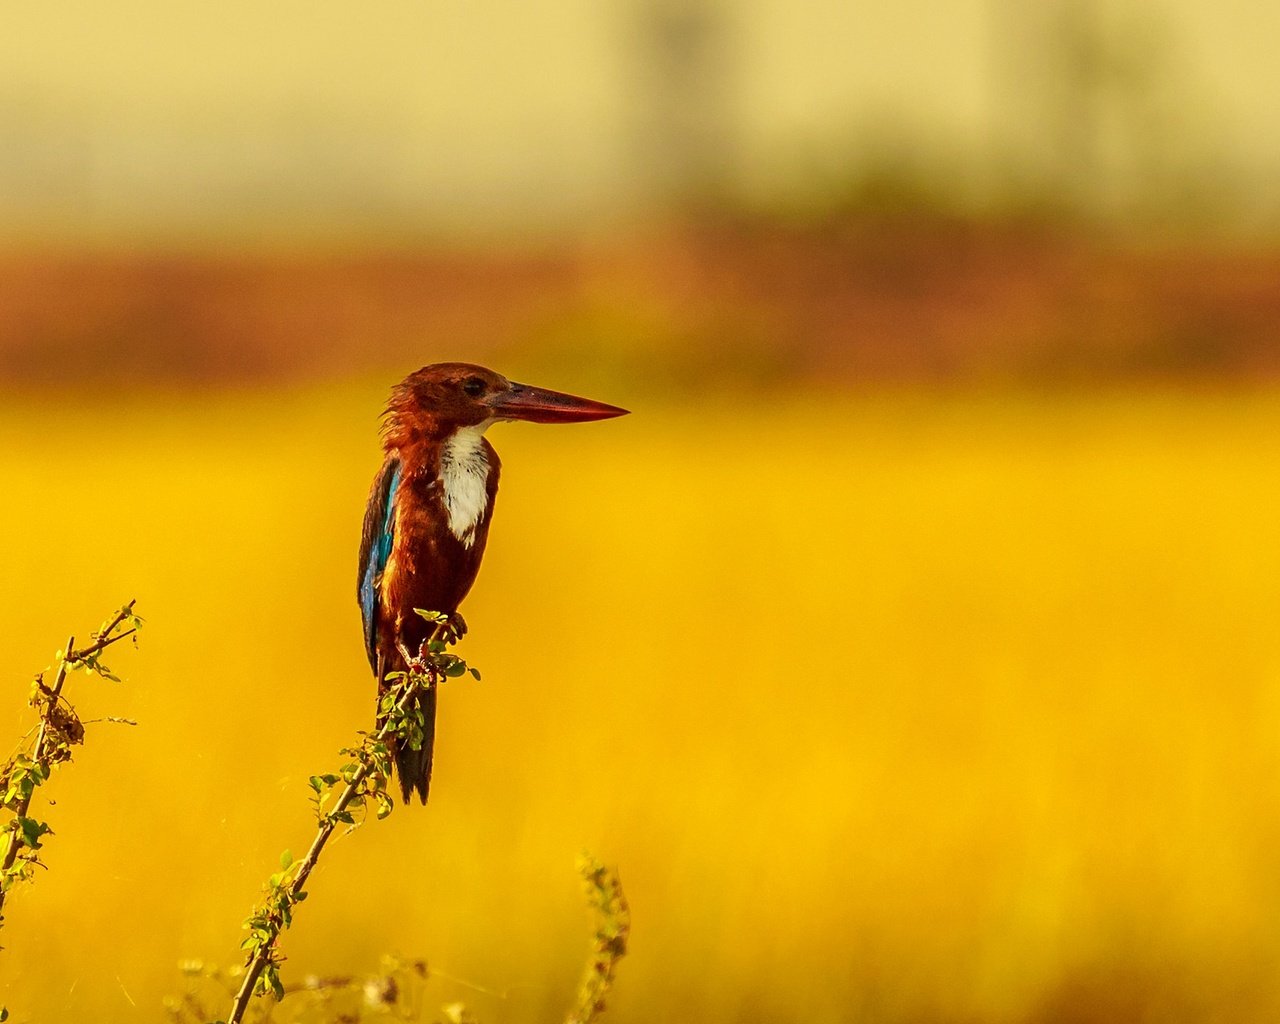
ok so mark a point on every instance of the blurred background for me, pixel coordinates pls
(911, 649)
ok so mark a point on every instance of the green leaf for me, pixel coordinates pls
(286, 859)
(475, 672)
(32, 830)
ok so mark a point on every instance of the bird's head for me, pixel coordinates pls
(443, 397)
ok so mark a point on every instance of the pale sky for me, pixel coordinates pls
(173, 115)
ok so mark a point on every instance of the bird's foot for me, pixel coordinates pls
(449, 631)
(455, 629)
(417, 664)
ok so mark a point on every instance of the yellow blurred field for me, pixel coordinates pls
(895, 708)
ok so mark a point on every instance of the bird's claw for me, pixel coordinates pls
(454, 629)
(413, 664)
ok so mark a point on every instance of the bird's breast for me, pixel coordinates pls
(464, 480)
(441, 516)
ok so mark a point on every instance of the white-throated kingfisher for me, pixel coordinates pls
(428, 515)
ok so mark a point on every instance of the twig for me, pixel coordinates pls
(47, 738)
(278, 916)
(103, 638)
(604, 894)
(393, 987)
(41, 754)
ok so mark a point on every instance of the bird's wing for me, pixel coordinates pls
(376, 540)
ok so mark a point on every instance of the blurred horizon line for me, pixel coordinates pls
(737, 303)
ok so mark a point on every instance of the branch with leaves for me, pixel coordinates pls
(613, 929)
(363, 781)
(394, 992)
(60, 728)
(399, 990)
(346, 798)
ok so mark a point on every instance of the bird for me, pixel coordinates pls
(427, 519)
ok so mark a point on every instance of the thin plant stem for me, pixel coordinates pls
(42, 753)
(417, 683)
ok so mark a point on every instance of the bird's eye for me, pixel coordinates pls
(473, 386)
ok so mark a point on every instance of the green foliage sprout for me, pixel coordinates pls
(32, 763)
(345, 798)
(396, 991)
(613, 929)
(399, 990)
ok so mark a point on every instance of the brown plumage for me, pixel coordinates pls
(427, 520)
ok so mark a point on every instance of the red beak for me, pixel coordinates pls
(538, 405)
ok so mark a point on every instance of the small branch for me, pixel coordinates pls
(101, 646)
(604, 894)
(104, 638)
(42, 754)
(56, 690)
(391, 988)
(58, 728)
(277, 914)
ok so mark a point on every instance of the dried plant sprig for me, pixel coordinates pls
(613, 928)
(364, 780)
(397, 991)
(60, 729)
(394, 992)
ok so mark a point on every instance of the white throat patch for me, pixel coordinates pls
(464, 472)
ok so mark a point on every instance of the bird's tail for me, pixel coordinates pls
(413, 763)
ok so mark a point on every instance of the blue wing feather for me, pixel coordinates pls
(376, 542)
